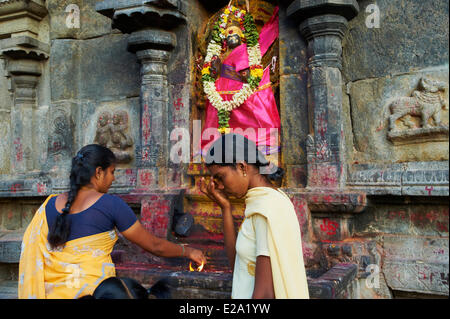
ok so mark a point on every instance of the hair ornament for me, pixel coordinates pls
(79, 156)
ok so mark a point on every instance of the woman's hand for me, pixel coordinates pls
(216, 195)
(159, 246)
(195, 255)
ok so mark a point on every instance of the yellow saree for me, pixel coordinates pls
(71, 272)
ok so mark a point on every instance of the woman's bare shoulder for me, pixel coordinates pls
(60, 201)
(62, 197)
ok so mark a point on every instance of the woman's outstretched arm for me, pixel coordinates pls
(160, 247)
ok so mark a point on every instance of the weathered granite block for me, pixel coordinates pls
(93, 68)
(330, 229)
(10, 246)
(32, 185)
(294, 108)
(332, 284)
(414, 32)
(293, 48)
(296, 175)
(102, 72)
(62, 24)
(157, 211)
(125, 180)
(417, 264)
(421, 219)
(178, 110)
(10, 215)
(5, 133)
(64, 68)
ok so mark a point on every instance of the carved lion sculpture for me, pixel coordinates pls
(425, 102)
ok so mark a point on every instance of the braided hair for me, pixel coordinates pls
(128, 288)
(84, 165)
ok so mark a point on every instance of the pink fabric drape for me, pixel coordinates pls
(259, 111)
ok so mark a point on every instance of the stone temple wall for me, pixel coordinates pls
(400, 163)
(364, 137)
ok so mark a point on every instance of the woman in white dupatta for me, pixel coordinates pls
(266, 256)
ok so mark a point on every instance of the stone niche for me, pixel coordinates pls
(400, 134)
(401, 118)
(113, 132)
(421, 113)
(113, 124)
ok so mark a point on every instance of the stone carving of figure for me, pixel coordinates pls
(60, 140)
(119, 127)
(426, 102)
(112, 133)
(103, 129)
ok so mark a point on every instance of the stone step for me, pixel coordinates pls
(336, 283)
(212, 247)
(8, 289)
(10, 246)
(184, 284)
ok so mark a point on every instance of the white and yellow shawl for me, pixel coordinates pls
(284, 240)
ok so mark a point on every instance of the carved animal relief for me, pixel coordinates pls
(426, 104)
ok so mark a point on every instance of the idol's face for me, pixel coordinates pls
(233, 40)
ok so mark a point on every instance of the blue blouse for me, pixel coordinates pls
(107, 212)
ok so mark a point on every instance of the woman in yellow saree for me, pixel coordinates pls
(66, 249)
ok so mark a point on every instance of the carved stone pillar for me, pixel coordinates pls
(24, 90)
(149, 23)
(326, 161)
(152, 48)
(23, 53)
(323, 24)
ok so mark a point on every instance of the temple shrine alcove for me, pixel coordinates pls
(361, 129)
(243, 119)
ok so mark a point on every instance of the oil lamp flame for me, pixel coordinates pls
(200, 268)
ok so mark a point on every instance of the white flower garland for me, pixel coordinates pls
(214, 49)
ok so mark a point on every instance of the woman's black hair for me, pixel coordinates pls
(128, 288)
(84, 164)
(232, 148)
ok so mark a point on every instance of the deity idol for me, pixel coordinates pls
(230, 72)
